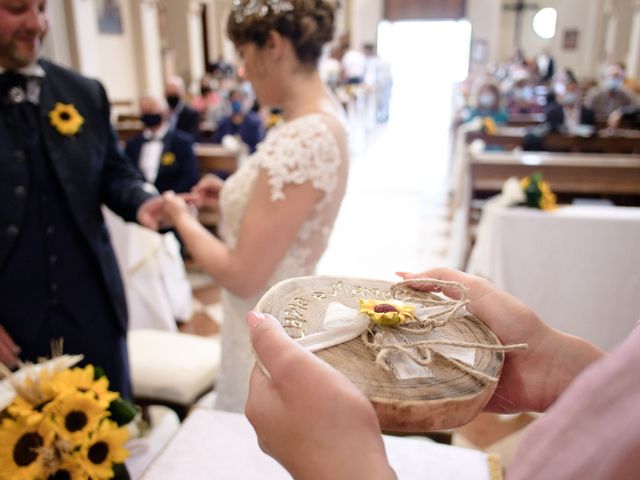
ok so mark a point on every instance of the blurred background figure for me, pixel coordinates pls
(611, 94)
(354, 65)
(163, 154)
(182, 116)
(247, 126)
(569, 112)
(487, 104)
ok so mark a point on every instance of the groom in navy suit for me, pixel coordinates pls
(59, 162)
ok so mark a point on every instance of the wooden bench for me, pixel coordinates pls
(605, 141)
(216, 159)
(568, 173)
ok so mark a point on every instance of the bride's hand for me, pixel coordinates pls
(175, 206)
(207, 190)
(307, 416)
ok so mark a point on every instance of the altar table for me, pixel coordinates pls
(219, 445)
(578, 267)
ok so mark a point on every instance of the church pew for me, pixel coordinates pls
(605, 141)
(219, 160)
(568, 173)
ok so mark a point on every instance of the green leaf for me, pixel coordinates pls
(122, 411)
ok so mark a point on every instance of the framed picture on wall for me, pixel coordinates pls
(109, 17)
(570, 39)
(479, 51)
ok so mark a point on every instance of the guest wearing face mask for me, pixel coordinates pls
(182, 117)
(611, 95)
(488, 105)
(164, 155)
(522, 100)
(569, 112)
(248, 126)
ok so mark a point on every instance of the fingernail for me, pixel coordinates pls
(254, 319)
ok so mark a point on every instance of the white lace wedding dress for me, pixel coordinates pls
(302, 150)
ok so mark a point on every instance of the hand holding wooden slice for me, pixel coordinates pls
(407, 397)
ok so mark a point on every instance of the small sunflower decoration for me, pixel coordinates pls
(538, 192)
(22, 449)
(386, 312)
(66, 119)
(167, 159)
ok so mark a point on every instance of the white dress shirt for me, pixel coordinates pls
(151, 152)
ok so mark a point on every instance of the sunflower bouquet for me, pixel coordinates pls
(538, 192)
(63, 424)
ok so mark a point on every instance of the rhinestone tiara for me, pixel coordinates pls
(243, 9)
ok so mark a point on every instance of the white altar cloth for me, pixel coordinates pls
(214, 444)
(578, 267)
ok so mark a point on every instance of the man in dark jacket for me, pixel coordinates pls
(59, 162)
(183, 117)
(164, 155)
(569, 112)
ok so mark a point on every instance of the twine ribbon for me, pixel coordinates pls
(382, 339)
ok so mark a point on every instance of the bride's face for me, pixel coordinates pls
(258, 72)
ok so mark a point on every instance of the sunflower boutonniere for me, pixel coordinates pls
(168, 158)
(66, 119)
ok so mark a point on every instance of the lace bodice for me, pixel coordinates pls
(299, 151)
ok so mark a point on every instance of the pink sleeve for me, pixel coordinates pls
(593, 429)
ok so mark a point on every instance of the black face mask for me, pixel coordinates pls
(173, 100)
(151, 119)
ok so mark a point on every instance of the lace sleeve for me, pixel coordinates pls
(304, 150)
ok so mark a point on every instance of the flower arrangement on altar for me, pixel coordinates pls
(63, 423)
(538, 192)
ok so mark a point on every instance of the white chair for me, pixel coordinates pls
(172, 368)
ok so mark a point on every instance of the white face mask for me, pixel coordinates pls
(559, 88)
(569, 98)
(613, 83)
(487, 100)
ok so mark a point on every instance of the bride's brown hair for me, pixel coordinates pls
(309, 24)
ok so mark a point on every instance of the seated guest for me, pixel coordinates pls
(611, 95)
(625, 117)
(164, 155)
(523, 100)
(248, 126)
(208, 97)
(569, 112)
(182, 117)
(488, 105)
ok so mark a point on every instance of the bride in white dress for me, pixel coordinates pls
(279, 208)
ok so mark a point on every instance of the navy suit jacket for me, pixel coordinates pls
(180, 173)
(555, 117)
(251, 130)
(91, 168)
(188, 121)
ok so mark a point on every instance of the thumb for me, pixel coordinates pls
(274, 350)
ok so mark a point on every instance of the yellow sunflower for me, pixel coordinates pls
(386, 312)
(105, 448)
(66, 119)
(22, 447)
(33, 396)
(76, 416)
(168, 158)
(67, 470)
(82, 380)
